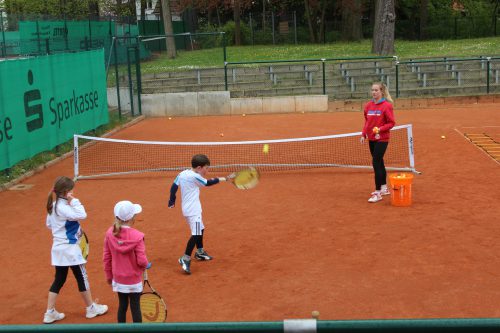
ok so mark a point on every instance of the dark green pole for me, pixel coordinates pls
(138, 76)
(117, 77)
(397, 78)
(324, 75)
(225, 75)
(4, 48)
(488, 65)
(130, 85)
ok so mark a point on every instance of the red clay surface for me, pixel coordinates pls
(298, 242)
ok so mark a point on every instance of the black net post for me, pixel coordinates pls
(4, 49)
(138, 76)
(130, 85)
(117, 78)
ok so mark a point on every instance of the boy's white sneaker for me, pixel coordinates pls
(51, 316)
(96, 310)
(376, 196)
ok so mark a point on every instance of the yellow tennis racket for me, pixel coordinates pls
(84, 245)
(153, 307)
(245, 179)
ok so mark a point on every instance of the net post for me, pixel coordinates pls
(75, 156)
(410, 146)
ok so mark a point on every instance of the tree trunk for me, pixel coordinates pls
(264, 15)
(237, 30)
(312, 36)
(169, 29)
(423, 19)
(351, 20)
(143, 10)
(383, 33)
(322, 23)
(94, 9)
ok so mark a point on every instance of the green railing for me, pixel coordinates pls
(315, 65)
(308, 325)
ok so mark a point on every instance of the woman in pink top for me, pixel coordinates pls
(379, 119)
(125, 260)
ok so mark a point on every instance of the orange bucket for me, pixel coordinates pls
(401, 189)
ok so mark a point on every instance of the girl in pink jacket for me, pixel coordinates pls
(125, 260)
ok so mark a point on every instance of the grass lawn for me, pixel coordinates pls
(405, 50)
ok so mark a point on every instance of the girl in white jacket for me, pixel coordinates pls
(64, 215)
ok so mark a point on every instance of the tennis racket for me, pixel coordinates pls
(153, 308)
(245, 179)
(84, 245)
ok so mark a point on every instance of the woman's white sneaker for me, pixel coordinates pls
(385, 191)
(51, 316)
(96, 310)
(376, 196)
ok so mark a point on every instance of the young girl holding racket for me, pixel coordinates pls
(125, 260)
(190, 181)
(379, 119)
(64, 214)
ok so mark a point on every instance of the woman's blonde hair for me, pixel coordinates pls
(384, 90)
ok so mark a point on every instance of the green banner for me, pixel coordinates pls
(45, 100)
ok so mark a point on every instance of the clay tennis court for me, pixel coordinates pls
(300, 241)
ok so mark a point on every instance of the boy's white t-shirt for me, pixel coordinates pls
(190, 183)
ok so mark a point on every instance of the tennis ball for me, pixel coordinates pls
(169, 118)
(265, 149)
(315, 314)
(443, 137)
(222, 134)
(243, 115)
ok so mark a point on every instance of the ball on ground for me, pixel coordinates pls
(222, 134)
(243, 115)
(443, 137)
(315, 314)
(265, 148)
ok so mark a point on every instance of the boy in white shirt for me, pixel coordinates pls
(190, 181)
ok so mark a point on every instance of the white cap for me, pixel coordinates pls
(125, 210)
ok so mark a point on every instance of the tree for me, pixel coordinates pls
(383, 31)
(310, 21)
(424, 4)
(351, 20)
(169, 29)
(237, 29)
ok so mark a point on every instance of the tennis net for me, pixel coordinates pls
(97, 157)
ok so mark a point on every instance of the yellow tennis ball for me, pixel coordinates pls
(265, 149)
(443, 137)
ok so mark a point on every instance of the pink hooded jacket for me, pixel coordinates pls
(124, 256)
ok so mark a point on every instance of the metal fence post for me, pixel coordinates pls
(324, 75)
(4, 48)
(225, 75)
(397, 78)
(138, 76)
(117, 77)
(130, 85)
(488, 68)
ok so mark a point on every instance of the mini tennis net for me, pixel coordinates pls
(98, 157)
